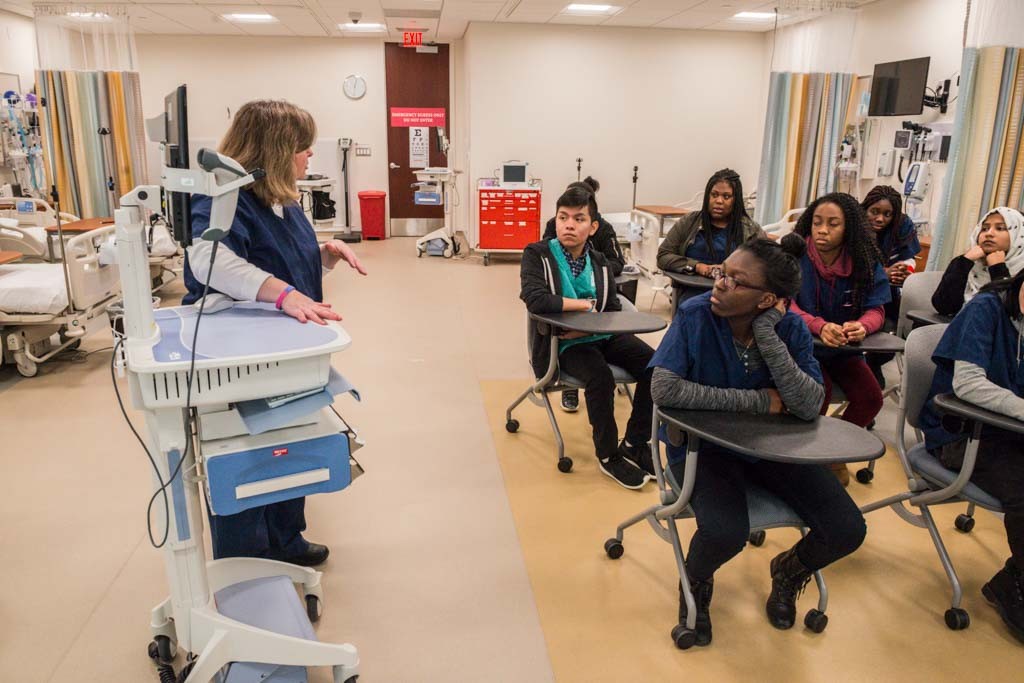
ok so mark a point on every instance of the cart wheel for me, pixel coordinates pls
(419, 252)
(163, 649)
(957, 619)
(864, 475)
(487, 259)
(314, 608)
(683, 637)
(964, 523)
(757, 538)
(816, 621)
(613, 548)
(27, 368)
(448, 252)
(565, 465)
(512, 426)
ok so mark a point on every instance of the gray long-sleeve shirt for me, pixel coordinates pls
(801, 394)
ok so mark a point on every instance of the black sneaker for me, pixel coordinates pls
(624, 472)
(1005, 592)
(571, 400)
(639, 456)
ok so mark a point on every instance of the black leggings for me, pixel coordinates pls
(719, 502)
(999, 471)
(589, 364)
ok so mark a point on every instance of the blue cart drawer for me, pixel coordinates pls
(250, 471)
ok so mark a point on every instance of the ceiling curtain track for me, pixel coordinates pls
(986, 159)
(90, 105)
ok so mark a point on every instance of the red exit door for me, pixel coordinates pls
(417, 99)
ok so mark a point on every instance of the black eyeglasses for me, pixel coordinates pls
(730, 283)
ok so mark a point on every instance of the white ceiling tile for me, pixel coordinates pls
(201, 19)
(577, 20)
(218, 5)
(412, 4)
(639, 17)
(146, 18)
(528, 16)
(300, 20)
(451, 29)
(480, 11)
(281, 3)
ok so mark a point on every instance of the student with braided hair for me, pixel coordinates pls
(897, 240)
(842, 297)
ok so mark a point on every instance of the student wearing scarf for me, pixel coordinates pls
(996, 253)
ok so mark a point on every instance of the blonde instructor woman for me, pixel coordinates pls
(270, 255)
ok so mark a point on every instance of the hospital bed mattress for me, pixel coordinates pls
(32, 288)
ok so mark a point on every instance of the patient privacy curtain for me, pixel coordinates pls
(91, 113)
(80, 160)
(986, 160)
(809, 91)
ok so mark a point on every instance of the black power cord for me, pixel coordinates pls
(162, 491)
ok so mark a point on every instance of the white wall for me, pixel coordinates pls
(18, 47)
(891, 30)
(679, 104)
(223, 73)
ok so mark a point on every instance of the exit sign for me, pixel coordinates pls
(412, 38)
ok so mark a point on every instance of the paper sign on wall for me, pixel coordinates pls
(419, 147)
(403, 117)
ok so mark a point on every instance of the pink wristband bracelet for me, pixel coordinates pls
(280, 297)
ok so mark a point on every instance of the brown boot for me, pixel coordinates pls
(842, 473)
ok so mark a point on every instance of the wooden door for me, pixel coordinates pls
(417, 81)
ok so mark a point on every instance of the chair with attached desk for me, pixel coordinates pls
(627, 321)
(879, 342)
(686, 285)
(772, 437)
(916, 299)
(928, 481)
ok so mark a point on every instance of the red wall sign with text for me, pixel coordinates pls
(404, 117)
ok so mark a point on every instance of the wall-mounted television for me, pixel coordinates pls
(898, 88)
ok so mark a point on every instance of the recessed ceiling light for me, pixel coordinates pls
(754, 15)
(352, 27)
(580, 8)
(246, 18)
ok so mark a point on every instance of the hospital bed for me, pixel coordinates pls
(32, 212)
(35, 305)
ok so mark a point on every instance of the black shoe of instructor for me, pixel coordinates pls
(314, 555)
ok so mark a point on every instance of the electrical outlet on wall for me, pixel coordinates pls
(362, 151)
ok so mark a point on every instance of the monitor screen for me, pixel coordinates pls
(898, 88)
(177, 207)
(513, 173)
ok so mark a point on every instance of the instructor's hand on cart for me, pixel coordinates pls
(336, 250)
(302, 308)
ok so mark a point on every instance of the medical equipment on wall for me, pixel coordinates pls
(20, 144)
(915, 189)
(252, 445)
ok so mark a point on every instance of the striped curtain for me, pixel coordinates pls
(986, 161)
(804, 127)
(80, 160)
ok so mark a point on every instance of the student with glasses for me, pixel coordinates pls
(737, 348)
(842, 299)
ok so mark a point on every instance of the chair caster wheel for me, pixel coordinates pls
(957, 619)
(314, 608)
(613, 547)
(683, 637)
(757, 538)
(964, 523)
(816, 621)
(865, 475)
(565, 465)
(512, 426)
(162, 649)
